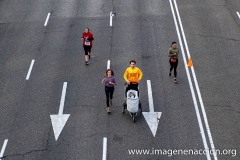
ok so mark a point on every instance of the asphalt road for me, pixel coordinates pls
(142, 30)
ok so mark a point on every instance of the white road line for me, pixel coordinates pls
(104, 157)
(111, 16)
(3, 148)
(30, 69)
(45, 24)
(197, 87)
(191, 86)
(238, 15)
(150, 98)
(108, 64)
(60, 112)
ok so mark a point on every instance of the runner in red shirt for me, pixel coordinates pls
(87, 38)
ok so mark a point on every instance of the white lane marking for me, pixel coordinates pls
(151, 117)
(104, 157)
(30, 69)
(59, 120)
(60, 112)
(191, 86)
(45, 24)
(150, 98)
(3, 148)
(108, 64)
(111, 17)
(238, 15)
(197, 87)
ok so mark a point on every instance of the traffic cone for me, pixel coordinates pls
(190, 62)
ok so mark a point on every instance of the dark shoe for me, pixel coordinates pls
(175, 80)
(86, 63)
(170, 74)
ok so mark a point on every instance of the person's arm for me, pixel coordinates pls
(125, 76)
(140, 74)
(82, 38)
(91, 38)
(169, 53)
(103, 80)
(177, 53)
(113, 82)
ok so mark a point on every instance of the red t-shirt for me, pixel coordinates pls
(87, 38)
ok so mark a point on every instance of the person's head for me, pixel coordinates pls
(174, 44)
(109, 72)
(86, 29)
(132, 63)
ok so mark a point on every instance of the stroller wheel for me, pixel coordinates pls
(124, 107)
(134, 117)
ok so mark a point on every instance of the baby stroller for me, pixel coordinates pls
(132, 104)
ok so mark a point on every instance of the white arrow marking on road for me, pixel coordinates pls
(151, 117)
(108, 64)
(59, 121)
(3, 148)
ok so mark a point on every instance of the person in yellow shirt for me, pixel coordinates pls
(132, 76)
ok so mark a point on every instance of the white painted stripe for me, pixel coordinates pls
(45, 24)
(197, 87)
(111, 19)
(60, 112)
(191, 86)
(150, 98)
(238, 15)
(30, 69)
(3, 148)
(104, 157)
(108, 64)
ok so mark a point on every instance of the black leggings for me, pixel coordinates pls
(87, 49)
(109, 94)
(173, 65)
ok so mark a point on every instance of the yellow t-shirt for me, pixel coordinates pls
(133, 75)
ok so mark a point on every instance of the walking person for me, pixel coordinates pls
(132, 76)
(173, 59)
(87, 38)
(109, 82)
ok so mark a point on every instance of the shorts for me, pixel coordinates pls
(87, 49)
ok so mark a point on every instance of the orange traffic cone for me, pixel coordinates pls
(190, 62)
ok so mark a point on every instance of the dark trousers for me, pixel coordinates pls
(173, 65)
(132, 86)
(109, 94)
